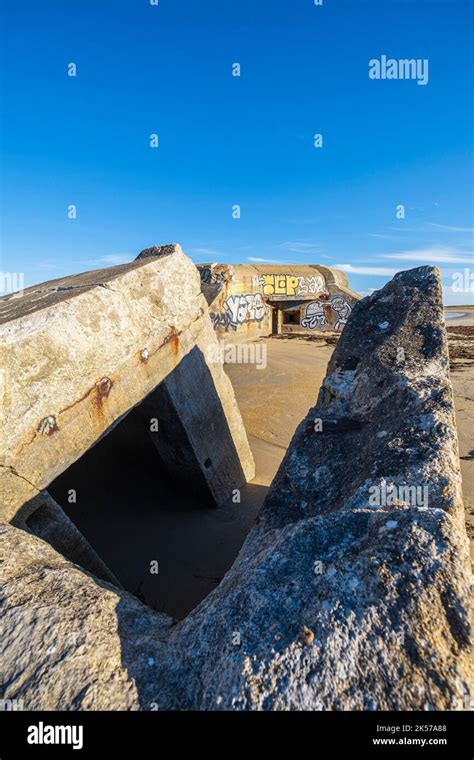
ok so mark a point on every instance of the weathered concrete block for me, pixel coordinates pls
(80, 352)
(349, 545)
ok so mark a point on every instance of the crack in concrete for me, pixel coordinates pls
(22, 477)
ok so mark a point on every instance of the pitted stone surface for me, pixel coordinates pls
(158, 250)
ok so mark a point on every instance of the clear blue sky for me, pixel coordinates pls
(225, 140)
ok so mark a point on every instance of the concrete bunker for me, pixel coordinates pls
(248, 301)
(95, 355)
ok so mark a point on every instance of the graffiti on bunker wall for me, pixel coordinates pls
(215, 275)
(310, 285)
(342, 309)
(290, 285)
(238, 309)
(315, 316)
(208, 276)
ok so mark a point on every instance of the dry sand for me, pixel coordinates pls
(461, 349)
(274, 400)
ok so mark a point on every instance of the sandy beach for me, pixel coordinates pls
(459, 315)
(461, 350)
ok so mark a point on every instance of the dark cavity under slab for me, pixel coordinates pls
(135, 513)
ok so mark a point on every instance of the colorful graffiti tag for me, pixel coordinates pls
(315, 314)
(238, 309)
(291, 286)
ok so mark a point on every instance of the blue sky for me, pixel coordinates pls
(248, 140)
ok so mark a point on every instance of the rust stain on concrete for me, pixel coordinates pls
(101, 392)
(173, 339)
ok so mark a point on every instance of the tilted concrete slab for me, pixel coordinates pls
(78, 353)
(337, 601)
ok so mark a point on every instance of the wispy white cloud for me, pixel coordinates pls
(383, 237)
(449, 228)
(434, 255)
(298, 246)
(257, 260)
(48, 264)
(370, 271)
(113, 259)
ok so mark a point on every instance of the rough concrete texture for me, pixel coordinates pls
(67, 639)
(335, 602)
(78, 353)
(158, 250)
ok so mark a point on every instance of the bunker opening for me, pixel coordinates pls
(161, 498)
